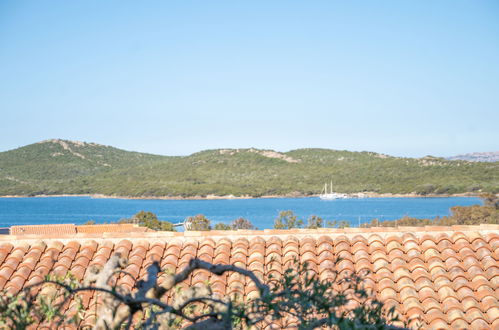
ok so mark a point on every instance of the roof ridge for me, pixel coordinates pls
(419, 231)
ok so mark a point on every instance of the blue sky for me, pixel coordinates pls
(407, 78)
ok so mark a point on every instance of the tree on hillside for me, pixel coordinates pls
(297, 298)
(425, 189)
(490, 200)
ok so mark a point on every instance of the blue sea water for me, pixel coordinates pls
(261, 212)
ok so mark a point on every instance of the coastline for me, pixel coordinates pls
(217, 197)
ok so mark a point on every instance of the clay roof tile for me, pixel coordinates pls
(458, 235)
(273, 249)
(360, 254)
(363, 265)
(6, 247)
(222, 248)
(241, 242)
(207, 242)
(400, 273)
(358, 239)
(326, 254)
(376, 246)
(286, 250)
(428, 241)
(408, 236)
(394, 245)
(224, 241)
(430, 303)
(379, 264)
(375, 237)
(257, 240)
(480, 324)
(416, 263)
(221, 258)
(393, 239)
(359, 247)
(493, 314)
(459, 324)
(439, 324)
(388, 293)
(408, 292)
(483, 252)
(397, 261)
(274, 240)
(493, 239)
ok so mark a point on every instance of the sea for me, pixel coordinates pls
(260, 211)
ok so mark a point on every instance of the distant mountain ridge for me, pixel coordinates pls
(70, 167)
(478, 157)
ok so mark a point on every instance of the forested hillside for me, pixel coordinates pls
(65, 167)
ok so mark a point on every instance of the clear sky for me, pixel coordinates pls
(407, 78)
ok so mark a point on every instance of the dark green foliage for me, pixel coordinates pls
(20, 311)
(149, 220)
(64, 167)
(287, 220)
(471, 215)
(315, 222)
(490, 200)
(460, 215)
(222, 226)
(315, 303)
(426, 189)
(337, 224)
(199, 222)
(239, 223)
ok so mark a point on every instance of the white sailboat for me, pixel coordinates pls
(330, 195)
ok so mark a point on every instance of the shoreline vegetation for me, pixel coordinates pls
(216, 197)
(488, 213)
(61, 167)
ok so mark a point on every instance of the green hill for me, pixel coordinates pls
(57, 166)
(65, 167)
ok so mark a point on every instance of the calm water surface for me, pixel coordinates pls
(261, 212)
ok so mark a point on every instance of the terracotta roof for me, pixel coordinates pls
(447, 277)
(111, 228)
(53, 230)
(59, 230)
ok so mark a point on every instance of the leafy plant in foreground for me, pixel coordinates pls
(300, 297)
